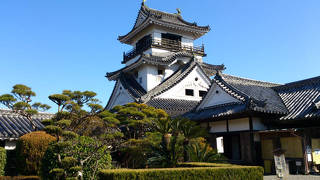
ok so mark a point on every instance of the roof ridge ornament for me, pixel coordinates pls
(178, 11)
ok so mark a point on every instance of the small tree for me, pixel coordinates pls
(19, 101)
(31, 148)
(85, 136)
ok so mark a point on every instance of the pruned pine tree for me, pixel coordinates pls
(85, 135)
(19, 101)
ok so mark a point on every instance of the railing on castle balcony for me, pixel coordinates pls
(166, 44)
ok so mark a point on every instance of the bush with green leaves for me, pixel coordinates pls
(31, 148)
(3, 160)
(82, 154)
(196, 173)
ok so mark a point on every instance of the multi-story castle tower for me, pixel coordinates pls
(164, 69)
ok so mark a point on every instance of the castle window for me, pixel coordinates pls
(189, 92)
(160, 71)
(202, 93)
(142, 44)
(171, 37)
(140, 80)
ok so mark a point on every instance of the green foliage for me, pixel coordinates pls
(19, 101)
(39, 106)
(79, 154)
(47, 122)
(22, 91)
(51, 129)
(198, 173)
(30, 150)
(19, 178)
(200, 151)
(3, 160)
(21, 105)
(205, 164)
(7, 100)
(60, 100)
(64, 123)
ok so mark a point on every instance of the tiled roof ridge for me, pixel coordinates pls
(179, 100)
(253, 81)
(227, 88)
(157, 13)
(138, 90)
(250, 101)
(219, 106)
(300, 83)
(158, 60)
(155, 16)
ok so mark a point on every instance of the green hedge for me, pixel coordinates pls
(196, 173)
(3, 160)
(204, 164)
(19, 178)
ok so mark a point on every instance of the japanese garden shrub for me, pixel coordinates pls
(3, 160)
(195, 173)
(20, 178)
(204, 164)
(30, 151)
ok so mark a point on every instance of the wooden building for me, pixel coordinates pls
(247, 119)
(13, 126)
(164, 69)
(254, 118)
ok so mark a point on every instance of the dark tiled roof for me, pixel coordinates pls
(209, 69)
(256, 96)
(170, 20)
(301, 98)
(174, 107)
(132, 86)
(217, 111)
(259, 94)
(13, 125)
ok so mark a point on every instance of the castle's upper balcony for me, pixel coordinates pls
(165, 44)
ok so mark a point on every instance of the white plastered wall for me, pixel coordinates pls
(10, 145)
(217, 96)
(189, 82)
(120, 97)
(218, 126)
(239, 124)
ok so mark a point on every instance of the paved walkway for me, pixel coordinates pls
(294, 177)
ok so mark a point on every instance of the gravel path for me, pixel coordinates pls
(294, 177)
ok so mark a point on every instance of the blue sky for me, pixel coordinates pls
(56, 45)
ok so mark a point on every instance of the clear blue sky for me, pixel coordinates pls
(56, 45)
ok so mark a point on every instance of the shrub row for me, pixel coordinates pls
(3, 160)
(204, 164)
(19, 178)
(195, 173)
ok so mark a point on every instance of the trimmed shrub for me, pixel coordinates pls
(196, 173)
(3, 160)
(30, 150)
(19, 178)
(203, 164)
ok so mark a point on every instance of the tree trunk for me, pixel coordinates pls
(166, 140)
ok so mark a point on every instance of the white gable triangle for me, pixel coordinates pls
(120, 96)
(217, 96)
(196, 80)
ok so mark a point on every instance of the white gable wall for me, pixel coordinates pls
(217, 96)
(120, 97)
(189, 82)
